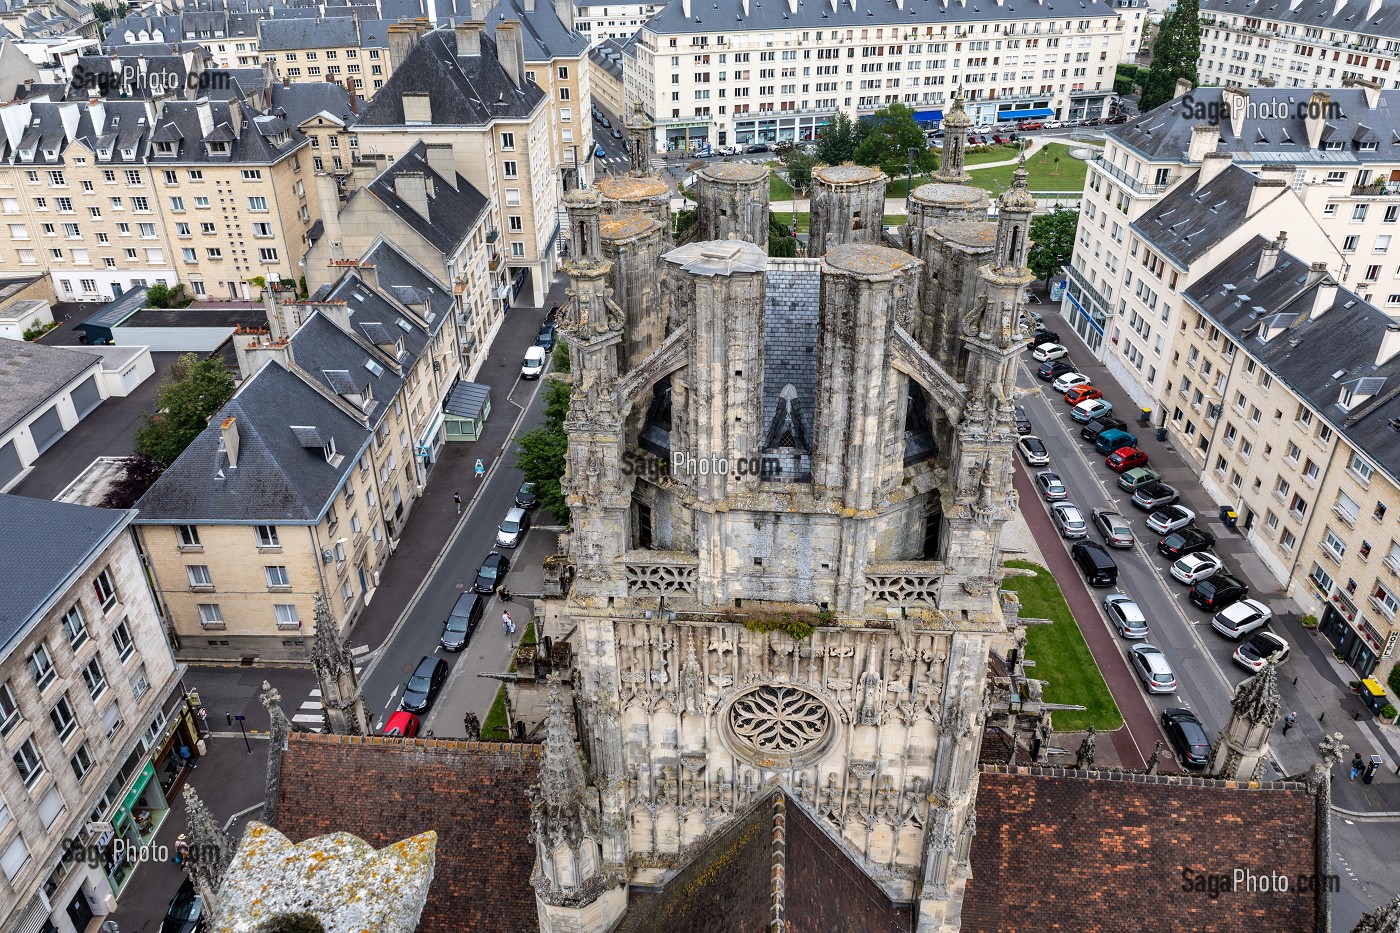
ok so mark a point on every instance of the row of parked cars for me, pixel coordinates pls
(1179, 539)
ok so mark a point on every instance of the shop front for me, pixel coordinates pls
(178, 731)
(685, 136)
(133, 825)
(430, 445)
(1359, 646)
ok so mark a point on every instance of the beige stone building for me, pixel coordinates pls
(323, 50)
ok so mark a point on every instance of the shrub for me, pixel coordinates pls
(1393, 681)
(1310, 621)
(1388, 711)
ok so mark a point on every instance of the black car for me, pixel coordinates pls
(492, 573)
(1023, 421)
(1044, 336)
(525, 496)
(1090, 432)
(1218, 591)
(758, 147)
(1185, 541)
(616, 133)
(1054, 369)
(186, 911)
(466, 615)
(422, 688)
(545, 338)
(1187, 736)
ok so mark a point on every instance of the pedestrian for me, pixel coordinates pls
(553, 312)
(1357, 766)
(457, 501)
(1289, 722)
(182, 850)
(187, 756)
(480, 468)
(508, 623)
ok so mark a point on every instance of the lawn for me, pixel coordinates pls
(1045, 173)
(803, 220)
(778, 188)
(1061, 655)
(984, 154)
(496, 729)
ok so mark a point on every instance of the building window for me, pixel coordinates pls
(199, 577)
(30, 765)
(1288, 539)
(9, 710)
(517, 249)
(287, 616)
(64, 722)
(41, 667)
(210, 615)
(277, 576)
(257, 204)
(121, 637)
(510, 168)
(74, 627)
(106, 590)
(95, 678)
(140, 683)
(1362, 470)
(1334, 544)
(81, 761)
(267, 536)
(507, 140)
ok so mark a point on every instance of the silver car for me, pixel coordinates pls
(1125, 615)
(1152, 669)
(1069, 520)
(513, 527)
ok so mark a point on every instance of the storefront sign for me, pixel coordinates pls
(1390, 644)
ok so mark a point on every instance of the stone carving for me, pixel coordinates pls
(280, 728)
(782, 720)
(1084, 758)
(871, 699)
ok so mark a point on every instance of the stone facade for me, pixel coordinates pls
(806, 590)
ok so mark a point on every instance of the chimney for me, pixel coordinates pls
(564, 9)
(1390, 343)
(1266, 81)
(469, 38)
(1264, 191)
(286, 82)
(1204, 139)
(1183, 87)
(229, 429)
(441, 158)
(369, 275)
(1319, 105)
(1236, 104)
(354, 98)
(529, 6)
(1323, 299)
(1371, 88)
(402, 38)
(1373, 8)
(412, 189)
(253, 350)
(685, 8)
(1316, 273)
(510, 50)
(417, 108)
(1212, 165)
(1268, 257)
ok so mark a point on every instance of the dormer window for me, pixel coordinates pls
(398, 349)
(27, 154)
(128, 153)
(165, 149)
(374, 367)
(332, 457)
(218, 148)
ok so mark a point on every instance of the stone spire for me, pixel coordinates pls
(211, 850)
(346, 713)
(1244, 742)
(1384, 919)
(280, 728)
(561, 806)
(639, 140)
(1014, 210)
(955, 126)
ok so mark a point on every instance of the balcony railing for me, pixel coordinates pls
(1108, 168)
(1081, 284)
(1376, 190)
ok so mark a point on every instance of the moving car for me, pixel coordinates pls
(1187, 736)
(525, 496)
(1092, 430)
(1095, 563)
(403, 724)
(1125, 458)
(1082, 394)
(1033, 451)
(492, 573)
(1185, 541)
(545, 338)
(1068, 381)
(423, 686)
(1169, 518)
(600, 152)
(1241, 618)
(1132, 479)
(1218, 591)
(1023, 421)
(1154, 496)
(1054, 369)
(1195, 567)
(1051, 487)
(1262, 648)
(186, 911)
(1114, 527)
(1069, 520)
(1125, 615)
(533, 367)
(1152, 669)
(515, 524)
(1050, 351)
(462, 621)
(1088, 411)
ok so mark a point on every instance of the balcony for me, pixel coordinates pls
(1376, 190)
(495, 260)
(904, 583)
(1081, 285)
(494, 235)
(1128, 181)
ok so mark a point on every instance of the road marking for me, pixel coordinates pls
(393, 693)
(306, 717)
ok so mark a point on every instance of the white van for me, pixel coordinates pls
(533, 367)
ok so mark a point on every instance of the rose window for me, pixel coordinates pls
(779, 720)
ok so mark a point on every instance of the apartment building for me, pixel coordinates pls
(230, 37)
(301, 486)
(92, 714)
(1304, 44)
(1283, 394)
(739, 71)
(323, 50)
(608, 19)
(462, 88)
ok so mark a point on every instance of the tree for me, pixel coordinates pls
(1174, 55)
(836, 143)
(1052, 239)
(781, 242)
(559, 358)
(161, 295)
(190, 395)
(798, 163)
(542, 453)
(886, 138)
(139, 473)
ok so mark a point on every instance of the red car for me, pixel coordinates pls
(1082, 394)
(402, 724)
(1125, 458)
(1031, 125)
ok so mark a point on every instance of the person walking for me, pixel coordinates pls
(187, 756)
(508, 623)
(182, 850)
(457, 501)
(1289, 722)
(1357, 766)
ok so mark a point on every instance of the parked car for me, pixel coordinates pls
(1068, 381)
(462, 621)
(1114, 527)
(1187, 736)
(1218, 591)
(1092, 430)
(1097, 565)
(1049, 351)
(1053, 369)
(1051, 125)
(1185, 541)
(1169, 518)
(403, 724)
(1125, 458)
(185, 914)
(1109, 441)
(1125, 615)
(425, 683)
(1136, 477)
(607, 124)
(1023, 421)
(1152, 669)
(1116, 119)
(1051, 487)
(1029, 125)
(1042, 335)
(616, 133)
(1196, 567)
(757, 147)
(545, 338)
(1091, 409)
(1082, 393)
(513, 527)
(1262, 648)
(1241, 618)
(533, 367)
(492, 573)
(1154, 496)
(1069, 520)
(525, 496)
(1033, 451)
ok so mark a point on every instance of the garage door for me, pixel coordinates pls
(10, 464)
(46, 429)
(86, 397)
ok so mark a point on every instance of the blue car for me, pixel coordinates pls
(600, 153)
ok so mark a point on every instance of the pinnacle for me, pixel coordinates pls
(1257, 699)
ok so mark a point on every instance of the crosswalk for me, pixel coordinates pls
(312, 714)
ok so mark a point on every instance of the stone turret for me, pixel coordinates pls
(211, 851)
(1243, 744)
(733, 202)
(847, 206)
(955, 126)
(279, 728)
(346, 713)
(633, 243)
(639, 140)
(640, 190)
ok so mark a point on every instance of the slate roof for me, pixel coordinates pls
(1118, 844)
(320, 348)
(301, 101)
(791, 304)
(275, 35)
(1350, 16)
(461, 91)
(249, 146)
(545, 35)
(472, 794)
(453, 213)
(31, 374)
(1187, 224)
(49, 541)
(400, 277)
(372, 317)
(729, 16)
